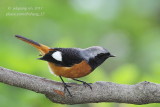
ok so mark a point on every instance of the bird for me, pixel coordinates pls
(70, 63)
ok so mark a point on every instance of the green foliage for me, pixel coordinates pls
(126, 74)
(127, 28)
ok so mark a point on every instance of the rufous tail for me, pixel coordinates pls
(42, 48)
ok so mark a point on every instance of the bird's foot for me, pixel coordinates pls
(84, 83)
(66, 89)
(87, 84)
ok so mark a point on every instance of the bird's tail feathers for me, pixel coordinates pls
(42, 48)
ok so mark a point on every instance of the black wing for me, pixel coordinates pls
(70, 56)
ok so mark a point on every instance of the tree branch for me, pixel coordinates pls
(141, 93)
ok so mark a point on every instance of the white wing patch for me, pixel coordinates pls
(57, 56)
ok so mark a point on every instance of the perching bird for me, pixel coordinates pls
(71, 62)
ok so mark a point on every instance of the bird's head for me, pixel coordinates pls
(96, 55)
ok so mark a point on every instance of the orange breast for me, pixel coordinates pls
(76, 71)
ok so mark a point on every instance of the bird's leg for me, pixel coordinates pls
(65, 86)
(84, 83)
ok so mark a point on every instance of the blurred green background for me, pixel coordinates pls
(129, 29)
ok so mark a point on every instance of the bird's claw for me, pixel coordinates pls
(87, 84)
(66, 89)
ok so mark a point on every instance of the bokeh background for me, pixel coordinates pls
(129, 29)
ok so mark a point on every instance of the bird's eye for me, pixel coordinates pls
(100, 55)
(108, 54)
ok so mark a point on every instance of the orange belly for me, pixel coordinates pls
(76, 71)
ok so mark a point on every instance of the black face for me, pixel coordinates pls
(99, 59)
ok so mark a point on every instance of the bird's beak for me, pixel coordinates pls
(112, 55)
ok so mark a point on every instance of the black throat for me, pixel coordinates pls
(95, 62)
